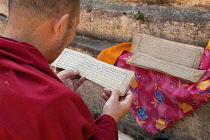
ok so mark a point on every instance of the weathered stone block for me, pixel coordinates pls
(89, 46)
(197, 3)
(115, 23)
(4, 7)
(3, 21)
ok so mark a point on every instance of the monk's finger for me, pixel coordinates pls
(107, 92)
(128, 98)
(67, 74)
(105, 97)
(79, 82)
(73, 73)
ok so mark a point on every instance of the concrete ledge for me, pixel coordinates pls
(195, 3)
(150, 11)
(3, 22)
(89, 46)
(4, 7)
(123, 136)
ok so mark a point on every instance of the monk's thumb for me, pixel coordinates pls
(115, 95)
(129, 97)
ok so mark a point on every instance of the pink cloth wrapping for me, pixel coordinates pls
(160, 100)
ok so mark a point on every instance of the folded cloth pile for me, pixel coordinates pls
(161, 100)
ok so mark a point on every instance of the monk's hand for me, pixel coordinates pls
(117, 106)
(106, 95)
(71, 79)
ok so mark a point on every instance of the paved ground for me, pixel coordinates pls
(123, 136)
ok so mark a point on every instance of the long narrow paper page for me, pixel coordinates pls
(175, 52)
(142, 60)
(106, 75)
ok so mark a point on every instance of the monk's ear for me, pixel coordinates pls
(60, 25)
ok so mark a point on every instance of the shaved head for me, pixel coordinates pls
(49, 25)
(44, 9)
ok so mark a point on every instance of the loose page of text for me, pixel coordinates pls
(174, 52)
(108, 76)
(145, 61)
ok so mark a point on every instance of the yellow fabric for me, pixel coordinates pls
(208, 46)
(111, 54)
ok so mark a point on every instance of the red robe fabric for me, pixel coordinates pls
(35, 105)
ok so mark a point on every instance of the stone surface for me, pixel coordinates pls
(3, 21)
(4, 7)
(89, 46)
(113, 21)
(3, 15)
(122, 136)
(198, 3)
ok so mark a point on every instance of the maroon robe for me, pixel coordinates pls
(35, 104)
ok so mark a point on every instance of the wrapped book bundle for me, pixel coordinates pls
(171, 79)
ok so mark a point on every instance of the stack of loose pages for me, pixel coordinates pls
(173, 58)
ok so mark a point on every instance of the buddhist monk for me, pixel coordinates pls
(35, 103)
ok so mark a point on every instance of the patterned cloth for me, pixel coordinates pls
(160, 100)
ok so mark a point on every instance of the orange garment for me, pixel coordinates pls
(111, 54)
(208, 46)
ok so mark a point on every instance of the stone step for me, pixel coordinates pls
(123, 136)
(3, 21)
(114, 21)
(89, 46)
(4, 7)
(175, 3)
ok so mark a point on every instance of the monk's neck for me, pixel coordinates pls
(27, 35)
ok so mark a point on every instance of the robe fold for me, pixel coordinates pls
(36, 105)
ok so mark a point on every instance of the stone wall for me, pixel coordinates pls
(184, 3)
(113, 21)
(3, 21)
(3, 7)
(107, 22)
(3, 15)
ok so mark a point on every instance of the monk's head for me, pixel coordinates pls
(49, 25)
